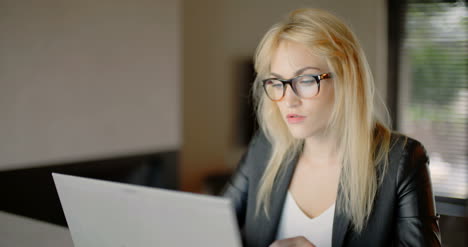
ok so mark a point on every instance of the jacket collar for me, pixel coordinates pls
(340, 222)
(269, 226)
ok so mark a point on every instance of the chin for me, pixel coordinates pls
(300, 133)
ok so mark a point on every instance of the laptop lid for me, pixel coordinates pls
(104, 214)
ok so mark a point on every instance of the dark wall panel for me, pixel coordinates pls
(32, 193)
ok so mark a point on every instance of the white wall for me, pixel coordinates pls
(88, 79)
(217, 33)
(99, 78)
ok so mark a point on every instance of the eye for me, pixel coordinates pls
(274, 84)
(307, 81)
(277, 85)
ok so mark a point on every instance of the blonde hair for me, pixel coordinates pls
(364, 140)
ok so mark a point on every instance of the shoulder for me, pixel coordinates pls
(406, 192)
(406, 149)
(407, 159)
(259, 141)
(257, 154)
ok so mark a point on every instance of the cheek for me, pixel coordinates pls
(315, 110)
(327, 100)
(321, 109)
(281, 107)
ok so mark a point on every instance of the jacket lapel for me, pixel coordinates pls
(340, 223)
(269, 227)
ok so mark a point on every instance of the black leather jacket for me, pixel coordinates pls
(403, 212)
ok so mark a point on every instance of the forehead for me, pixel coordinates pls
(291, 56)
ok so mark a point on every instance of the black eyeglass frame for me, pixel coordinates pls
(285, 82)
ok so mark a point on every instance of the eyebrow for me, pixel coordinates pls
(300, 71)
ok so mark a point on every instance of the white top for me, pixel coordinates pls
(294, 222)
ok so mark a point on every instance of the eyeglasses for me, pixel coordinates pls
(304, 86)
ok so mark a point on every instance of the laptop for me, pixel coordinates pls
(109, 214)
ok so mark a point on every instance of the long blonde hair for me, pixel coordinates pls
(364, 140)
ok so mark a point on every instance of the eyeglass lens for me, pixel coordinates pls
(304, 87)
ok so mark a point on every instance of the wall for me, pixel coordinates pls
(220, 33)
(88, 79)
(96, 79)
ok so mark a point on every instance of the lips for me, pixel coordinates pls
(295, 118)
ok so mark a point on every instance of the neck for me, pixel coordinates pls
(320, 150)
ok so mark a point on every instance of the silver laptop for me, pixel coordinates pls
(108, 214)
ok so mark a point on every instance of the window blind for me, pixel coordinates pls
(433, 90)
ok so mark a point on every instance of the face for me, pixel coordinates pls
(304, 117)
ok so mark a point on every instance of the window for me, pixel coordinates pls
(432, 98)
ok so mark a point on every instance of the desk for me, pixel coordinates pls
(19, 231)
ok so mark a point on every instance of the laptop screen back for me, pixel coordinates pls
(104, 214)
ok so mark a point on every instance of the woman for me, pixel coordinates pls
(323, 171)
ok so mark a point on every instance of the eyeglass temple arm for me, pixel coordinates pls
(325, 76)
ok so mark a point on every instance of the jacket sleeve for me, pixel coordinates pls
(237, 187)
(236, 190)
(417, 222)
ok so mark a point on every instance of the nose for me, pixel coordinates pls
(290, 98)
